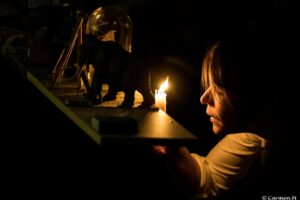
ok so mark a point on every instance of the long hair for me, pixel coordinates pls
(213, 73)
(246, 70)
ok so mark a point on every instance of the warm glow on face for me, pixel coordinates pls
(164, 86)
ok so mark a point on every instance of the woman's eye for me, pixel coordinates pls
(220, 93)
(218, 90)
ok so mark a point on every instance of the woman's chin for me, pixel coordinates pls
(216, 130)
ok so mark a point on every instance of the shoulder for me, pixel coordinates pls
(244, 141)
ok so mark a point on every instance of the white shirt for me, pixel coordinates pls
(229, 160)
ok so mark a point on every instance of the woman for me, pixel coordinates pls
(239, 82)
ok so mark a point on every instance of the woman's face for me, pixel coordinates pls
(219, 109)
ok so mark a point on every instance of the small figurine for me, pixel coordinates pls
(116, 67)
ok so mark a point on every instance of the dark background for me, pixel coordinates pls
(48, 155)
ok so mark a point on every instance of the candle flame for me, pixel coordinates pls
(164, 85)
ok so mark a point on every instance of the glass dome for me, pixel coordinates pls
(109, 23)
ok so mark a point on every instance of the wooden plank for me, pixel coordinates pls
(66, 110)
(154, 127)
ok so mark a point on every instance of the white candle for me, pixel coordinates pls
(161, 100)
(161, 96)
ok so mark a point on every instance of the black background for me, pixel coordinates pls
(47, 155)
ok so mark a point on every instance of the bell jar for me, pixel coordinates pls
(110, 23)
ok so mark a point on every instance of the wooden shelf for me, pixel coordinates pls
(154, 127)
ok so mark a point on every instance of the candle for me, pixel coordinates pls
(161, 96)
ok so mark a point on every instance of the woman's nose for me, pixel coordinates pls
(205, 97)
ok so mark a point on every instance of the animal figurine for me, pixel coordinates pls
(116, 67)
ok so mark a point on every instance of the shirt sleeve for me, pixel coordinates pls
(228, 161)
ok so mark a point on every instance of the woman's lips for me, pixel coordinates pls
(213, 120)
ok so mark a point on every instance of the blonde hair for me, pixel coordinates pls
(244, 70)
(211, 75)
